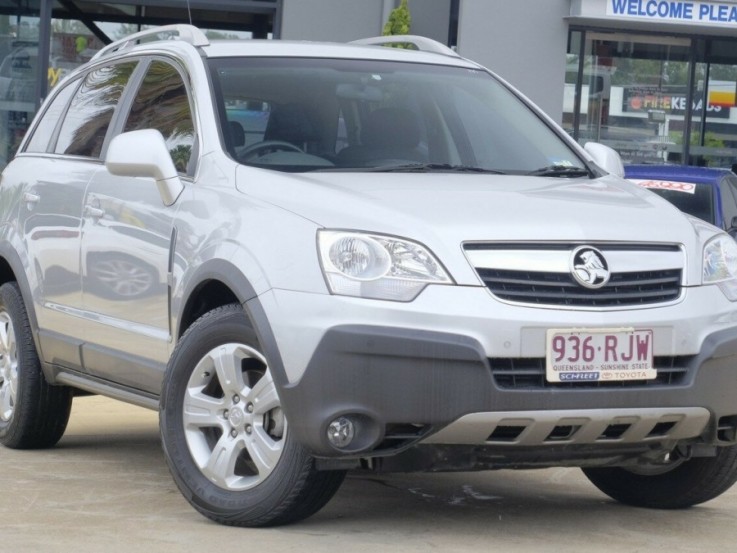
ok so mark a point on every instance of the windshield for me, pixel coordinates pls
(297, 114)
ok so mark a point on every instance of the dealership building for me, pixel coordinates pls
(655, 79)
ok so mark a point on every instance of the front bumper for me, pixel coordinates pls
(421, 372)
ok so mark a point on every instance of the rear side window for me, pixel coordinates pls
(162, 104)
(45, 129)
(89, 115)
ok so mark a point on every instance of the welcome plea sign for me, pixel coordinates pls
(677, 11)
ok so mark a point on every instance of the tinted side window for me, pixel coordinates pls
(40, 140)
(698, 202)
(729, 199)
(162, 104)
(91, 110)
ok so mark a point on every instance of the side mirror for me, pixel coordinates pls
(605, 157)
(144, 154)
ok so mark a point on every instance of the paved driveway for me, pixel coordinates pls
(106, 488)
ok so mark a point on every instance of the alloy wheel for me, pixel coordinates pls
(233, 423)
(8, 367)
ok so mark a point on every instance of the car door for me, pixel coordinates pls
(63, 156)
(127, 238)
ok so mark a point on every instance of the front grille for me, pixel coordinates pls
(547, 288)
(529, 374)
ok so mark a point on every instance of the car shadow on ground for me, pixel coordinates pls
(559, 499)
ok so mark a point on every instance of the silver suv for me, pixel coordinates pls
(318, 257)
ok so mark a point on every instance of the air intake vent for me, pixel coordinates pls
(529, 374)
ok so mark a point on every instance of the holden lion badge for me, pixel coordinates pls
(589, 267)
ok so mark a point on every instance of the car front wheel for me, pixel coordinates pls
(675, 485)
(225, 437)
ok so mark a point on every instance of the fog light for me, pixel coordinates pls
(341, 432)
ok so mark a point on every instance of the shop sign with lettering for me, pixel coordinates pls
(712, 13)
(644, 99)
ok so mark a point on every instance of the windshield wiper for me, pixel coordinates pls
(560, 171)
(428, 168)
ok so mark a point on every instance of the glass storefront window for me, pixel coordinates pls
(80, 29)
(714, 142)
(633, 93)
(654, 99)
(18, 76)
(72, 44)
(99, 10)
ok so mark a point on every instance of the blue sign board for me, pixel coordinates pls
(714, 13)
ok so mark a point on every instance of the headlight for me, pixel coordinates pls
(376, 266)
(720, 265)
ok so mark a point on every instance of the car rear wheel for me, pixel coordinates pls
(225, 437)
(33, 414)
(687, 482)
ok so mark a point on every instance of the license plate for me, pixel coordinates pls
(600, 354)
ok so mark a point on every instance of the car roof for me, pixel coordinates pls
(697, 175)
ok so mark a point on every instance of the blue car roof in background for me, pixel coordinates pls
(698, 175)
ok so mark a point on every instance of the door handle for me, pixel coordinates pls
(94, 212)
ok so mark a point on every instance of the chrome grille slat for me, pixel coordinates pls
(565, 246)
(589, 296)
(532, 279)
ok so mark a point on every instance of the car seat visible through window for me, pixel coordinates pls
(387, 133)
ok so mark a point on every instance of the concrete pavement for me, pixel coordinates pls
(106, 488)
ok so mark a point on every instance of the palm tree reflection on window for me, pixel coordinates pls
(162, 104)
(92, 109)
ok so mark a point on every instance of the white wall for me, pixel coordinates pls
(344, 20)
(430, 18)
(331, 20)
(523, 41)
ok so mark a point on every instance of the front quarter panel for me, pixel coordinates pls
(249, 245)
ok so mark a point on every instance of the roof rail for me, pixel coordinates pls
(422, 43)
(187, 33)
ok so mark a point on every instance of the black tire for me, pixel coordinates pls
(689, 483)
(33, 414)
(220, 416)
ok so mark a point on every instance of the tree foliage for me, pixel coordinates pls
(398, 23)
